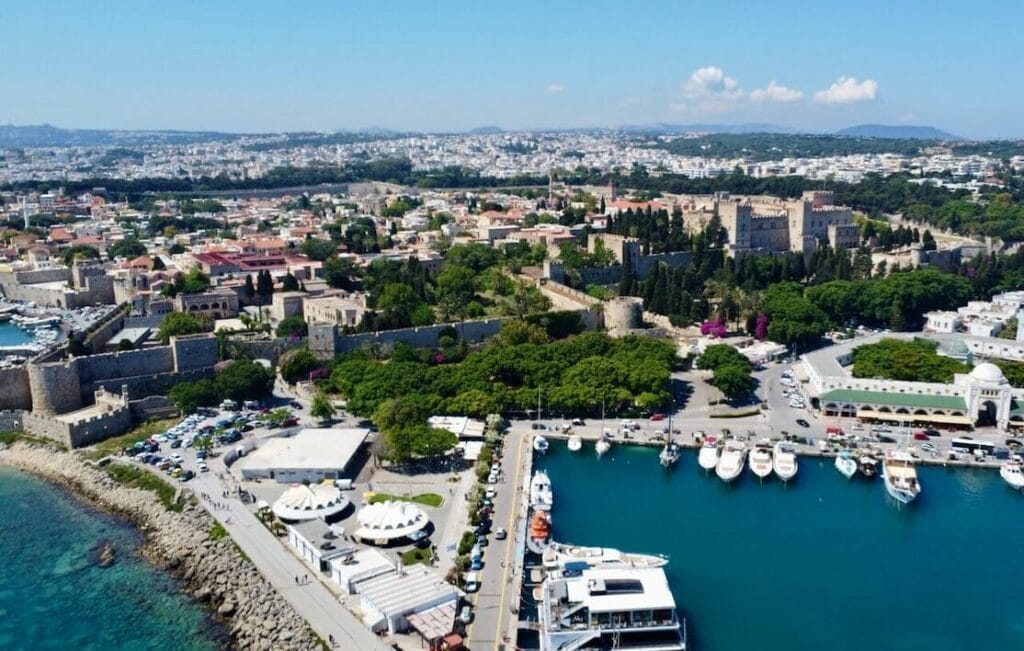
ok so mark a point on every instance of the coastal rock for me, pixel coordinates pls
(226, 608)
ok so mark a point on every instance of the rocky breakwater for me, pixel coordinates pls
(212, 571)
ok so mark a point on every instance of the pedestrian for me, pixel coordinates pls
(305, 577)
(330, 638)
(296, 580)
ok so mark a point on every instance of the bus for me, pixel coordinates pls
(973, 446)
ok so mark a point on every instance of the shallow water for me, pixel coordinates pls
(52, 597)
(824, 563)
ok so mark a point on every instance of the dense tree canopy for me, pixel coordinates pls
(913, 361)
(177, 324)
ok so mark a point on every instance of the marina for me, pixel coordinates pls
(769, 550)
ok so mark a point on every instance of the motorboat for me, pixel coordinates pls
(784, 461)
(1012, 472)
(540, 444)
(541, 496)
(731, 461)
(900, 476)
(575, 443)
(669, 454)
(868, 466)
(761, 461)
(707, 458)
(561, 558)
(539, 537)
(846, 464)
(603, 444)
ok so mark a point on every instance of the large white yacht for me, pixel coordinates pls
(561, 559)
(541, 496)
(610, 608)
(1012, 472)
(730, 463)
(900, 476)
(761, 461)
(784, 461)
(707, 458)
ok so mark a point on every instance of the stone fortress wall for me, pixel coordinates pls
(109, 415)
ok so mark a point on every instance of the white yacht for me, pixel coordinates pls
(761, 461)
(560, 558)
(784, 461)
(846, 464)
(575, 443)
(731, 461)
(1012, 472)
(610, 608)
(540, 444)
(900, 476)
(669, 454)
(603, 444)
(707, 458)
(541, 496)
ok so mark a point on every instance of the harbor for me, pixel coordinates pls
(806, 559)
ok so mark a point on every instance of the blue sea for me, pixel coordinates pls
(12, 335)
(52, 597)
(822, 564)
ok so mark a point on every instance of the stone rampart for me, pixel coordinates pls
(125, 364)
(14, 389)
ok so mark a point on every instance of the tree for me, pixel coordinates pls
(244, 380)
(339, 272)
(292, 326)
(129, 247)
(516, 331)
(189, 396)
(318, 249)
(177, 324)
(249, 289)
(733, 381)
(928, 241)
(264, 286)
(322, 407)
(125, 344)
(194, 282)
(290, 283)
(297, 364)
(78, 252)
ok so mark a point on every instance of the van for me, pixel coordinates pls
(251, 404)
(343, 484)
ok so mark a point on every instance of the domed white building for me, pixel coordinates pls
(988, 394)
(386, 521)
(303, 502)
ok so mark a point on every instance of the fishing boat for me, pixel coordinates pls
(784, 461)
(868, 466)
(603, 444)
(540, 444)
(761, 461)
(900, 476)
(731, 461)
(1012, 472)
(707, 458)
(559, 558)
(845, 464)
(541, 496)
(669, 454)
(539, 537)
(575, 443)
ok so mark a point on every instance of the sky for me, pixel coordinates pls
(258, 66)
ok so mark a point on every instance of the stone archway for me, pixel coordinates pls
(987, 412)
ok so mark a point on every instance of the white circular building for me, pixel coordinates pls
(303, 502)
(386, 521)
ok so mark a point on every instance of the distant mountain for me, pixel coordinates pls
(664, 128)
(488, 130)
(896, 131)
(47, 135)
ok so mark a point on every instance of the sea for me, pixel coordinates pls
(823, 563)
(53, 597)
(12, 335)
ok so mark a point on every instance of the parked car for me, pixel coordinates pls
(290, 422)
(928, 447)
(472, 582)
(657, 416)
(802, 423)
(466, 614)
(920, 436)
(187, 475)
(500, 534)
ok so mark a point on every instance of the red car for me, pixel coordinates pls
(920, 436)
(657, 416)
(290, 422)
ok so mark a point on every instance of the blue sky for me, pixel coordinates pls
(345, 64)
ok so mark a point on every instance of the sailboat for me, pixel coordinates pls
(670, 453)
(845, 464)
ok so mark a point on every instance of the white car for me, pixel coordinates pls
(203, 467)
(490, 493)
(177, 457)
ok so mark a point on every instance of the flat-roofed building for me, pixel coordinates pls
(311, 454)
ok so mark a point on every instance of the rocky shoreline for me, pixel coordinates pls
(254, 615)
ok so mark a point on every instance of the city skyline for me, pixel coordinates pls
(322, 67)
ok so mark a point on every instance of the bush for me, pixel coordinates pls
(466, 543)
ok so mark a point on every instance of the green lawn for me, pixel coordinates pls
(416, 555)
(425, 499)
(138, 478)
(141, 433)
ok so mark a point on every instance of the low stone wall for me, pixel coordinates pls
(254, 614)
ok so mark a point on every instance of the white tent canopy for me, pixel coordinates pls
(389, 520)
(309, 502)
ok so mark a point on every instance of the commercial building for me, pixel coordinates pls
(309, 455)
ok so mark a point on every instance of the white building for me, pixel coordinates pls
(387, 601)
(310, 455)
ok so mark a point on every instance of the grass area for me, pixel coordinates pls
(9, 438)
(425, 499)
(141, 433)
(417, 555)
(217, 531)
(138, 478)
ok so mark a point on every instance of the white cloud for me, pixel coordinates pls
(555, 88)
(711, 82)
(848, 90)
(775, 93)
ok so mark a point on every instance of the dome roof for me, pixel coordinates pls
(987, 372)
(387, 520)
(308, 502)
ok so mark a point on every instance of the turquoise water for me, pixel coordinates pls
(52, 597)
(12, 335)
(823, 563)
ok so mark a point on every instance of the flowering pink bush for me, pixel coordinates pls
(761, 327)
(714, 328)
